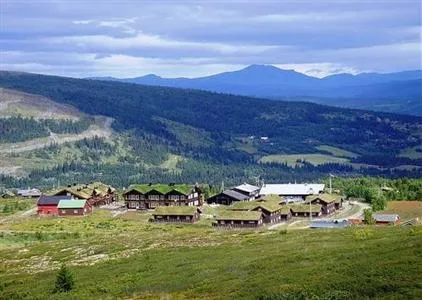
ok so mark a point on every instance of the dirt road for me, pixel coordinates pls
(101, 128)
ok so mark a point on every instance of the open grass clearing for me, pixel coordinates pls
(292, 159)
(337, 151)
(188, 262)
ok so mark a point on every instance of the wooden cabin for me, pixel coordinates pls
(175, 214)
(150, 196)
(327, 202)
(96, 193)
(47, 205)
(74, 207)
(239, 219)
(304, 210)
(271, 212)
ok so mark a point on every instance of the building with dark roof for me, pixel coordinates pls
(249, 190)
(227, 198)
(47, 205)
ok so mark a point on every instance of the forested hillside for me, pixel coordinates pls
(170, 134)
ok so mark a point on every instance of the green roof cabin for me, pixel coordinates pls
(150, 196)
(239, 219)
(175, 214)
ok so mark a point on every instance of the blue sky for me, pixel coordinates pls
(195, 38)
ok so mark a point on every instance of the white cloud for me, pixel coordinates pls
(145, 41)
(321, 69)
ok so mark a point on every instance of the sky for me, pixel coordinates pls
(197, 38)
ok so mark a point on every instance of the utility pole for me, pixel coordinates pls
(331, 189)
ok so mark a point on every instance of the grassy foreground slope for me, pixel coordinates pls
(124, 257)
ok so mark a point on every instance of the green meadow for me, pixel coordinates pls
(126, 257)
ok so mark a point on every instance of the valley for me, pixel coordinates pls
(187, 135)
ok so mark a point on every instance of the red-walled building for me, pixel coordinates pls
(47, 205)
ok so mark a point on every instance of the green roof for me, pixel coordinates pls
(305, 208)
(271, 197)
(328, 198)
(86, 191)
(239, 215)
(71, 204)
(175, 210)
(270, 206)
(184, 189)
(244, 205)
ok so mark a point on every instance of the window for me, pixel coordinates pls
(75, 211)
(174, 197)
(153, 197)
(63, 211)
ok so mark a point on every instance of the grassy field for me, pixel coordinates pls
(412, 153)
(291, 159)
(337, 151)
(405, 209)
(127, 257)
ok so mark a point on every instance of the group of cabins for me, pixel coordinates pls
(245, 205)
(76, 200)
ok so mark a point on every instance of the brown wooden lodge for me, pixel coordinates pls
(175, 214)
(96, 193)
(150, 196)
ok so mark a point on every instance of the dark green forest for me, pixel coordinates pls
(19, 129)
(292, 127)
(210, 131)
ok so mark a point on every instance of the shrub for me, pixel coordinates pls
(64, 280)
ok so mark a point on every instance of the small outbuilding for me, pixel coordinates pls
(74, 207)
(29, 193)
(386, 219)
(175, 214)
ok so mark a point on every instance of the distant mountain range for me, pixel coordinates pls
(399, 92)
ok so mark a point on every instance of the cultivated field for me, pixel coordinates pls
(406, 209)
(127, 257)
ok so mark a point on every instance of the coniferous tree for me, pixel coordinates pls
(64, 280)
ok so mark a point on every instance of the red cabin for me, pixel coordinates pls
(47, 205)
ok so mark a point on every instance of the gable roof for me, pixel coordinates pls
(51, 200)
(269, 206)
(29, 192)
(271, 198)
(292, 189)
(245, 187)
(175, 210)
(327, 198)
(184, 189)
(71, 204)
(244, 205)
(386, 217)
(305, 208)
(86, 191)
(239, 216)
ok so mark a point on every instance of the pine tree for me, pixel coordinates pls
(64, 280)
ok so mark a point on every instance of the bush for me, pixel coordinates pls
(64, 280)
